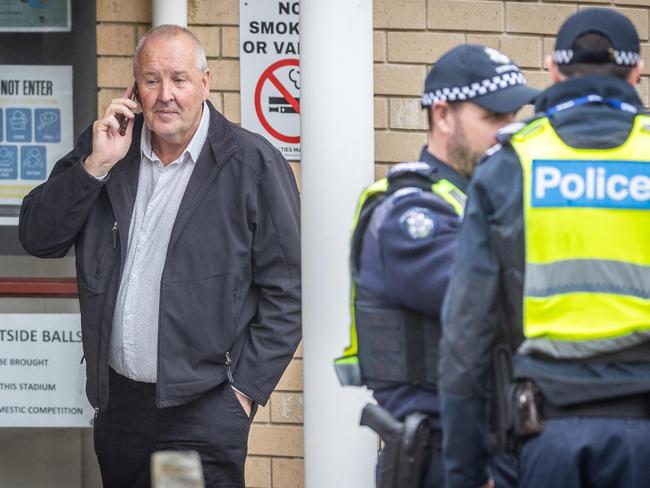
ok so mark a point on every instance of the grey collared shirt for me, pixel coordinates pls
(134, 337)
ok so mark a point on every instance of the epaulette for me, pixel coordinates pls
(416, 167)
(416, 174)
(489, 153)
(492, 150)
(505, 133)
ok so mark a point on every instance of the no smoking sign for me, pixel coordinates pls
(270, 72)
(277, 100)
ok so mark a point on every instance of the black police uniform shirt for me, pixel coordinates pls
(409, 267)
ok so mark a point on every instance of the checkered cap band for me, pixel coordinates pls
(626, 58)
(622, 58)
(464, 93)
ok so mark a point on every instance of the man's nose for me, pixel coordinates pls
(166, 91)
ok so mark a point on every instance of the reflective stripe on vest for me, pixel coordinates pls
(587, 228)
(378, 187)
(446, 190)
(347, 366)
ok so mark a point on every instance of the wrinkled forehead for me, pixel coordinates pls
(172, 53)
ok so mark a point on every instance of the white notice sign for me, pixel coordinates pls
(270, 72)
(35, 126)
(42, 380)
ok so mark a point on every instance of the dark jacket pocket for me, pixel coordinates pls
(95, 279)
(236, 403)
(196, 328)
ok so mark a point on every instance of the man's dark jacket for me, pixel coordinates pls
(484, 300)
(231, 280)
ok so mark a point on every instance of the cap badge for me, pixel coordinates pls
(497, 56)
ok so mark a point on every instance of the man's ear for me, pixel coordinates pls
(634, 77)
(551, 65)
(442, 120)
(205, 79)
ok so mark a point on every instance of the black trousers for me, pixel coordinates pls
(132, 428)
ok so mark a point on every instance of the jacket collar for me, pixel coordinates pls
(605, 86)
(443, 170)
(220, 137)
(218, 148)
(122, 185)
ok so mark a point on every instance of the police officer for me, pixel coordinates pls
(403, 246)
(555, 246)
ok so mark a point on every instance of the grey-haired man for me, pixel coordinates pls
(186, 235)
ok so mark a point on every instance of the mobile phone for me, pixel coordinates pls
(122, 119)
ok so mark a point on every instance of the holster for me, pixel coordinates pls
(527, 404)
(530, 410)
(517, 404)
(406, 455)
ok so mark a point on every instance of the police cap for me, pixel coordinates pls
(616, 27)
(480, 74)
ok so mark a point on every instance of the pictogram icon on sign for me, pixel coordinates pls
(277, 100)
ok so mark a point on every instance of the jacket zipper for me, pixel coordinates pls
(228, 363)
(114, 230)
(160, 326)
(119, 280)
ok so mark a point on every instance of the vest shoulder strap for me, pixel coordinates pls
(530, 129)
(451, 194)
(403, 175)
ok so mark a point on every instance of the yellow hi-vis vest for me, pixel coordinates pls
(348, 368)
(587, 236)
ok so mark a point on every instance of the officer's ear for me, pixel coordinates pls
(551, 65)
(634, 78)
(443, 122)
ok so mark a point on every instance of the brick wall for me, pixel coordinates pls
(411, 34)
(408, 36)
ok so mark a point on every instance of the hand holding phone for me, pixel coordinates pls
(108, 147)
(122, 119)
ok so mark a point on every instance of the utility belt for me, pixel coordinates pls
(522, 410)
(531, 409)
(396, 346)
(636, 406)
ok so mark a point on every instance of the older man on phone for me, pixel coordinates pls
(186, 235)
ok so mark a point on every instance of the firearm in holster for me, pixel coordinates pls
(517, 404)
(406, 455)
(527, 403)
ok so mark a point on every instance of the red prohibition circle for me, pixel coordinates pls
(266, 76)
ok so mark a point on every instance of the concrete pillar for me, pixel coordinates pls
(336, 58)
(170, 12)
